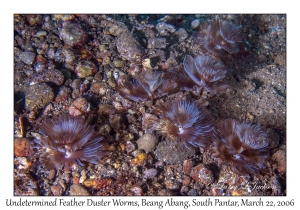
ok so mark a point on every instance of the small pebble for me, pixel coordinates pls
(201, 174)
(216, 191)
(54, 76)
(140, 160)
(164, 192)
(172, 184)
(69, 55)
(73, 34)
(98, 76)
(118, 63)
(52, 174)
(22, 147)
(136, 153)
(22, 162)
(150, 173)
(280, 60)
(137, 190)
(195, 23)
(78, 107)
(115, 30)
(66, 176)
(85, 68)
(192, 192)
(98, 184)
(41, 33)
(159, 43)
(63, 17)
(34, 20)
(83, 176)
(66, 73)
(106, 109)
(111, 82)
(27, 57)
(187, 166)
(186, 180)
(184, 190)
(181, 34)
(78, 190)
(117, 122)
(99, 88)
(38, 96)
(280, 157)
(262, 58)
(75, 180)
(57, 190)
(165, 29)
(130, 147)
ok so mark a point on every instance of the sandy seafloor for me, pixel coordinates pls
(257, 95)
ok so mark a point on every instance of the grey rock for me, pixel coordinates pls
(38, 96)
(147, 142)
(27, 57)
(181, 34)
(173, 152)
(165, 29)
(159, 43)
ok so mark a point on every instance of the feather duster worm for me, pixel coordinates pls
(206, 72)
(147, 85)
(241, 147)
(221, 38)
(131, 89)
(69, 140)
(183, 120)
(182, 79)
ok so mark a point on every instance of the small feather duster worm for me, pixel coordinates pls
(206, 72)
(147, 85)
(69, 140)
(241, 147)
(181, 120)
(221, 38)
